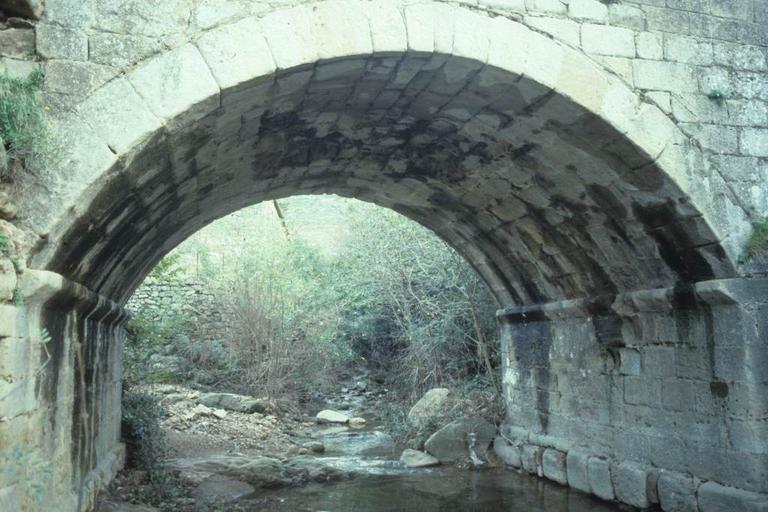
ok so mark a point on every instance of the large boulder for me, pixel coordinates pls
(451, 443)
(436, 403)
(417, 459)
(233, 402)
(259, 472)
(331, 416)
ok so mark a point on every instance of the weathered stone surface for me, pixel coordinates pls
(119, 115)
(237, 53)
(55, 42)
(17, 42)
(553, 466)
(600, 482)
(713, 497)
(508, 453)
(329, 416)
(177, 84)
(7, 279)
(259, 472)
(417, 459)
(450, 443)
(530, 456)
(630, 484)
(577, 472)
(121, 50)
(434, 405)
(233, 402)
(677, 492)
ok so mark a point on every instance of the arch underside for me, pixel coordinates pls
(543, 197)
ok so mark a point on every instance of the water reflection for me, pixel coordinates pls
(438, 490)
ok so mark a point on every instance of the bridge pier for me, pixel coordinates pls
(60, 389)
(654, 396)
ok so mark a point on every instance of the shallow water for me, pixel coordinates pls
(438, 489)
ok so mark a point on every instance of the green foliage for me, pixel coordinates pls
(147, 446)
(18, 297)
(167, 269)
(718, 95)
(757, 247)
(5, 245)
(31, 472)
(141, 429)
(23, 130)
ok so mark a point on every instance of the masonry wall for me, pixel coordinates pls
(669, 384)
(190, 300)
(60, 391)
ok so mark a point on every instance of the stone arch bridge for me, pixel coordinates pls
(601, 164)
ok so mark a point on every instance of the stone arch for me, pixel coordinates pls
(547, 172)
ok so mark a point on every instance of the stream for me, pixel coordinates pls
(381, 483)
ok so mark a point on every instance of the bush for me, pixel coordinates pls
(23, 131)
(142, 433)
(757, 247)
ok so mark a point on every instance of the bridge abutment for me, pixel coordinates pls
(60, 389)
(655, 396)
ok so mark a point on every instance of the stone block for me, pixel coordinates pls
(76, 78)
(553, 466)
(630, 483)
(754, 142)
(607, 40)
(546, 6)
(713, 497)
(687, 49)
(55, 42)
(599, 473)
(576, 466)
(119, 115)
(18, 43)
(642, 391)
(677, 492)
(649, 46)
(289, 34)
(630, 361)
(177, 85)
(530, 457)
(508, 453)
(587, 9)
(10, 498)
(714, 137)
(7, 280)
(121, 50)
(565, 30)
(237, 53)
(678, 395)
(665, 76)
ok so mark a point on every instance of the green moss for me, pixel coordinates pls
(757, 247)
(23, 130)
(18, 297)
(5, 245)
